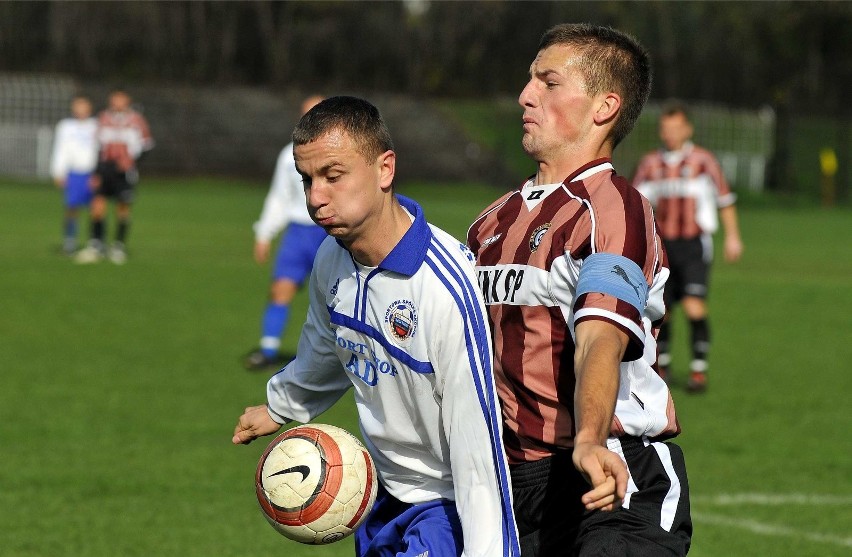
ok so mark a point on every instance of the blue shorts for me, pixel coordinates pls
(397, 529)
(77, 192)
(297, 251)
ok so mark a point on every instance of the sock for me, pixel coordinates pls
(98, 230)
(121, 233)
(700, 344)
(70, 229)
(274, 320)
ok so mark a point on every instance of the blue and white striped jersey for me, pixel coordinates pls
(412, 338)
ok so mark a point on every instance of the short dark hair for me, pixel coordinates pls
(357, 117)
(611, 61)
(673, 107)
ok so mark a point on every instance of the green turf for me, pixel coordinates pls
(121, 385)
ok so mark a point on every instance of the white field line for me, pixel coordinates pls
(769, 529)
(767, 499)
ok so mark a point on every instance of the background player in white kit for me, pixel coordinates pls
(687, 187)
(395, 314)
(284, 207)
(72, 161)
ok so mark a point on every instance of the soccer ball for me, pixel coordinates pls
(316, 483)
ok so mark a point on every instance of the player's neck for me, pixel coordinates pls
(378, 239)
(557, 169)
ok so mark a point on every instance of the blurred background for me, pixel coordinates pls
(120, 385)
(769, 82)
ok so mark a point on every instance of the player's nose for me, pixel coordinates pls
(526, 98)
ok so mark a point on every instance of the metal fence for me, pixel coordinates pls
(742, 140)
(238, 132)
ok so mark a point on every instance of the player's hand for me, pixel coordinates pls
(606, 473)
(261, 251)
(733, 249)
(59, 182)
(255, 422)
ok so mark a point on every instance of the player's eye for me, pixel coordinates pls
(551, 84)
(332, 178)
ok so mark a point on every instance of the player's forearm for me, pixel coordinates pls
(596, 366)
(730, 222)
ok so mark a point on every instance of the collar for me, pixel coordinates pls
(588, 169)
(678, 155)
(408, 255)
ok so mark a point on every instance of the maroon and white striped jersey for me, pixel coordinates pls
(124, 136)
(530, 246)
(686, 188)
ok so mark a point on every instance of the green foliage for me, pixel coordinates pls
(122, 385)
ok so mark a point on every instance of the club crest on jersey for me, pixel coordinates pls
(401, 320)
(537, 235)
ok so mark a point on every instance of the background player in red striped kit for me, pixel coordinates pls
(124, 137)
(572, 271)
(686, 185)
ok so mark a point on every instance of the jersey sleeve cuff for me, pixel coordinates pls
(635, 334)
(276, 416)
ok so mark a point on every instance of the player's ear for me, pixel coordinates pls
(607, 108)
(386, 163)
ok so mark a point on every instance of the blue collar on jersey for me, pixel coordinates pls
(410, 253)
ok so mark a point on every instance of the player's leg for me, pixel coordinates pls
(77, 195)
(104, 182)
(671, 296)
(125, 186)
(397, 529)
(654, 519)
(275, 318)
(94, 250)
(69, 231)
(118, 250)
(696, 275)
(292, 267)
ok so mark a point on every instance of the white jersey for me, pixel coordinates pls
(411, 337)
(75, 147)
(285, 202)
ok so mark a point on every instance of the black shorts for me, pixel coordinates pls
(654, 520)
(689, 263)
(115, 183)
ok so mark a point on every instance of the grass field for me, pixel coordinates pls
(120, 386)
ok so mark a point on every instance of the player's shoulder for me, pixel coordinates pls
(449, 243)
(651, 157)
(702, 152)
(612, 194)
(496, 204)
(452, 260)
(286, 151)
(329, 249)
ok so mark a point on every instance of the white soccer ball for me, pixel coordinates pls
(316, 483)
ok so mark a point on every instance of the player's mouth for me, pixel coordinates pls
(324, 221)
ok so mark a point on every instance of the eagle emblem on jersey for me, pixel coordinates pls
(537, 235)
(401, 320)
